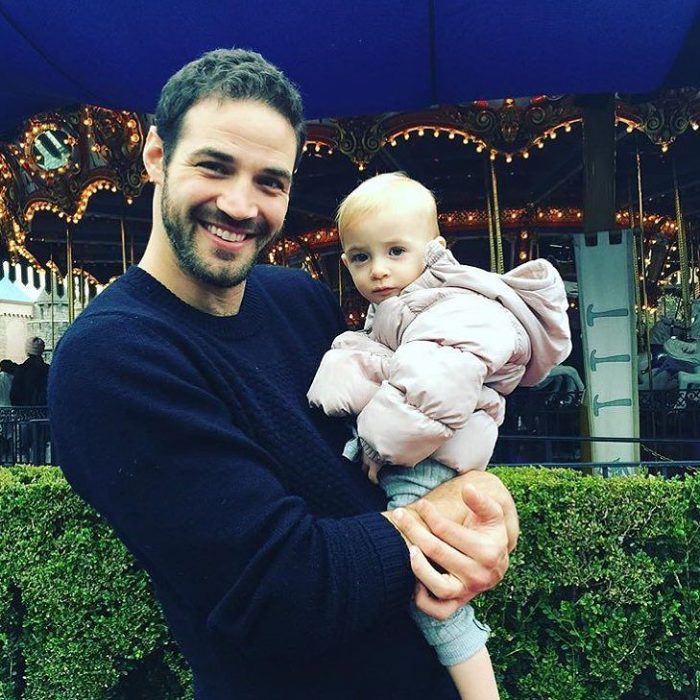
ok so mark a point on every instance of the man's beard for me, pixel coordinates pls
(182, 233)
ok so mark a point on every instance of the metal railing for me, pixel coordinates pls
(546, 428)
(24, 435)
(540, 428)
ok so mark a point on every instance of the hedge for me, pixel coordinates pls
(602, 599)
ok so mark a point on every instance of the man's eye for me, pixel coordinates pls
(212, 166)
(396, 251)
(272, 183)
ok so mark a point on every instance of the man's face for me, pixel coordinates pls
(384, 250)
(225, 188)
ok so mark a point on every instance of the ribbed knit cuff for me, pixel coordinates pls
(455, 639)
(392, 554)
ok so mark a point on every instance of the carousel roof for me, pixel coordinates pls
(363, 57)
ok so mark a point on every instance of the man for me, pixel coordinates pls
(30, 378)
(188, 429)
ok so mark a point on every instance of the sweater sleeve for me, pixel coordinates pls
(145, 441)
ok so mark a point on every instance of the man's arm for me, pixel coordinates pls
(144, 438)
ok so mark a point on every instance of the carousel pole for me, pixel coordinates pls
(497, 220)
(599, 163)
(122, 227)
(53, 302)
(682, 252)
(643, 301)
(643, 257)
(82, 288)
(604, 266)
(340, 281)
(489, 217)
(69, 273)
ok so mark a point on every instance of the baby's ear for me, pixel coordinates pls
(441, 241)
(344, 258)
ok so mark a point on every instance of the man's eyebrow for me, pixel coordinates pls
(278, 172)
(208, 152)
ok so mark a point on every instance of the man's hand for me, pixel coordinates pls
(450, 503)
(462, 529)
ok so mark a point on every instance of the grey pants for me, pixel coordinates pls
(460, 636)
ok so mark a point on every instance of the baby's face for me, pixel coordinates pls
(384, 251)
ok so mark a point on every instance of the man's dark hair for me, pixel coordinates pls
(234, 74)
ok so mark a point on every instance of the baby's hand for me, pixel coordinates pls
(370, 468)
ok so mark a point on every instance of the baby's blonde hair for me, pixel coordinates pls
(380, 191)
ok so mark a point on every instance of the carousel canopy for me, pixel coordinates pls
(349, 58)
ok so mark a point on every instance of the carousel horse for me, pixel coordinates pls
(563, 384)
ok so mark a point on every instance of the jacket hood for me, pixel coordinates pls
(534, 292)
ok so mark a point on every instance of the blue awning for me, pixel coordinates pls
(349, 58)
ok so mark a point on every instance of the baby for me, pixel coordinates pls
(425, 379)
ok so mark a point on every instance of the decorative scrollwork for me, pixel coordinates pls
(664, 119)
(360, 139)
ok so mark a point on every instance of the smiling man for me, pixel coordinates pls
(186, 425)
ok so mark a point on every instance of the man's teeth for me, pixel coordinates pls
(226, 235)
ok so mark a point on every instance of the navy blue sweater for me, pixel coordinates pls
(192, 435)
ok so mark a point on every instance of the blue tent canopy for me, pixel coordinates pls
(349, 58)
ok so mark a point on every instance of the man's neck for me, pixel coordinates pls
(160, 262)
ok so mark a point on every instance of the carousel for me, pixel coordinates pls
(509, 178)
(516, 178)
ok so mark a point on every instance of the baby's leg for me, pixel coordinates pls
(474, 677)
(459, 641)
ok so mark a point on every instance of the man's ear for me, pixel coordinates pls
(154, 156)
(344, 258)
(441, 241)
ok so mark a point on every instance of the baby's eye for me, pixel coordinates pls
(396, 250)
(358, 258)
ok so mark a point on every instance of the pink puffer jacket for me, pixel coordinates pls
(426, 378)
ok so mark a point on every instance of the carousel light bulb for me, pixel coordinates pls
(552, 135)
(451, 135)
(664, 148)
(695, 126)
(436, 133)
(421, 132)
(492, 156)
(406, 136)
(567, 128)
(526, 155)
(509, 158)
(540, 144)
(393, 142)
(479, 148)
(318, 148)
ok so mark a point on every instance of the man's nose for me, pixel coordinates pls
(238, 199)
